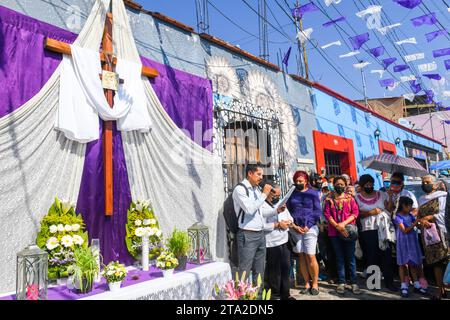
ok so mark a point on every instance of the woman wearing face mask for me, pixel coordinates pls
(372, 203)
(304, 206)
(341, 210)
(431, 219)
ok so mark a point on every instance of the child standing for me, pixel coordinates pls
(409, 254)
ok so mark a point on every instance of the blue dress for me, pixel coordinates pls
(408, 248)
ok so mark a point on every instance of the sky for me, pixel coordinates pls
(325, 65)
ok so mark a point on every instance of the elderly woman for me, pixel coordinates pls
(431, 218)
(341, 210)
(372, 204)
(304, 206)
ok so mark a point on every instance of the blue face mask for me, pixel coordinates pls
(387, 184)
(330, 187)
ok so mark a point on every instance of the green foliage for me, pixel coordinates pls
(137, 214)
(62, 231)
(179, 243)
(84, 268)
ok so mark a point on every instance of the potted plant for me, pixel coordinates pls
(114, 273)
(166, 262)
(179, 243)
(84, 269)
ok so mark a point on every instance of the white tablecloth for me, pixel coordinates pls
(194, 284)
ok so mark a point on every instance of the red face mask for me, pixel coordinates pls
(396, 189)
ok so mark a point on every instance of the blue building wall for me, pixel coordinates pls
(336, 117)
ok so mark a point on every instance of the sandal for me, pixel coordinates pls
(355, 289)
(340, 288)
(304, 290)
(314, 291)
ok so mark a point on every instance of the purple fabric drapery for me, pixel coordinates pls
(429, 19)
(410, 4)
(378, 51)
(25, 67)
(331, 22)
(359, 40)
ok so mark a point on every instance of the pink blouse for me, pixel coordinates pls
(346, 207)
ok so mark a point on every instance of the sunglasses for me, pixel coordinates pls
(396, 183)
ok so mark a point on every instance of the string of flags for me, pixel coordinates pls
(371, 15)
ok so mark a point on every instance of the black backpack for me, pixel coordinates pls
(231, 217)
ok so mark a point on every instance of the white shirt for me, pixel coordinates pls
(370, 222)
(253, 217)
(440, 217)
(275, 237)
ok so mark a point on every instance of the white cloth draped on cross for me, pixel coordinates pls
(82, 99)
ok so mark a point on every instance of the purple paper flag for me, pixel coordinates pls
(400, 68)
(387, 82)
(387, 62)
(359, 40)
(331, 22)
(415, 87)
(409, 3)
(441, 52)
(434, 76)
(447, 121)
(447, 64)
(376, 52)
(300, 11)
(433, 35)
(425, 19)
(430, 95)
(286, 57)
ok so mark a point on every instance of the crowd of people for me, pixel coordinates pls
(329, 221)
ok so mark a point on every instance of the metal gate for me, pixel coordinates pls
(245, 134)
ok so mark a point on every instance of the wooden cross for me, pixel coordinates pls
(105, 56)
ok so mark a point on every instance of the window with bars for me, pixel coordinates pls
(333, 163)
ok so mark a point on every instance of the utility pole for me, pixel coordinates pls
(201, 7)
(301, 47)
(431, 123)
(364, 86)
(263, 32)
(445, 134)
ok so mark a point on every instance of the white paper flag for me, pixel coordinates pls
(392, 88)
(329, 2)
(384, 30)
(407, 78)
(381, 72)
(302, 36)
(410, 40)
(409, 96)
(350, 54)
(374, 20)
(336, 43)
(427, 67)
(446, 94)
(414, 57)
(361, 65)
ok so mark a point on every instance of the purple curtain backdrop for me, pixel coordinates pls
(25, 67)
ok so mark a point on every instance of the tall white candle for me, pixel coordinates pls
(145, 253)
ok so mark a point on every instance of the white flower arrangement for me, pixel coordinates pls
(166, 261)
(76, 227)
(68, 227)
(138, 222)
(114, 272)
(78, 240)
(61, 228)
(67, 241)
(146, 222)
(147, 232)
(53, 228)
(52, 243)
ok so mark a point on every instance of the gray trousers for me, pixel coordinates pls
(252, 253)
